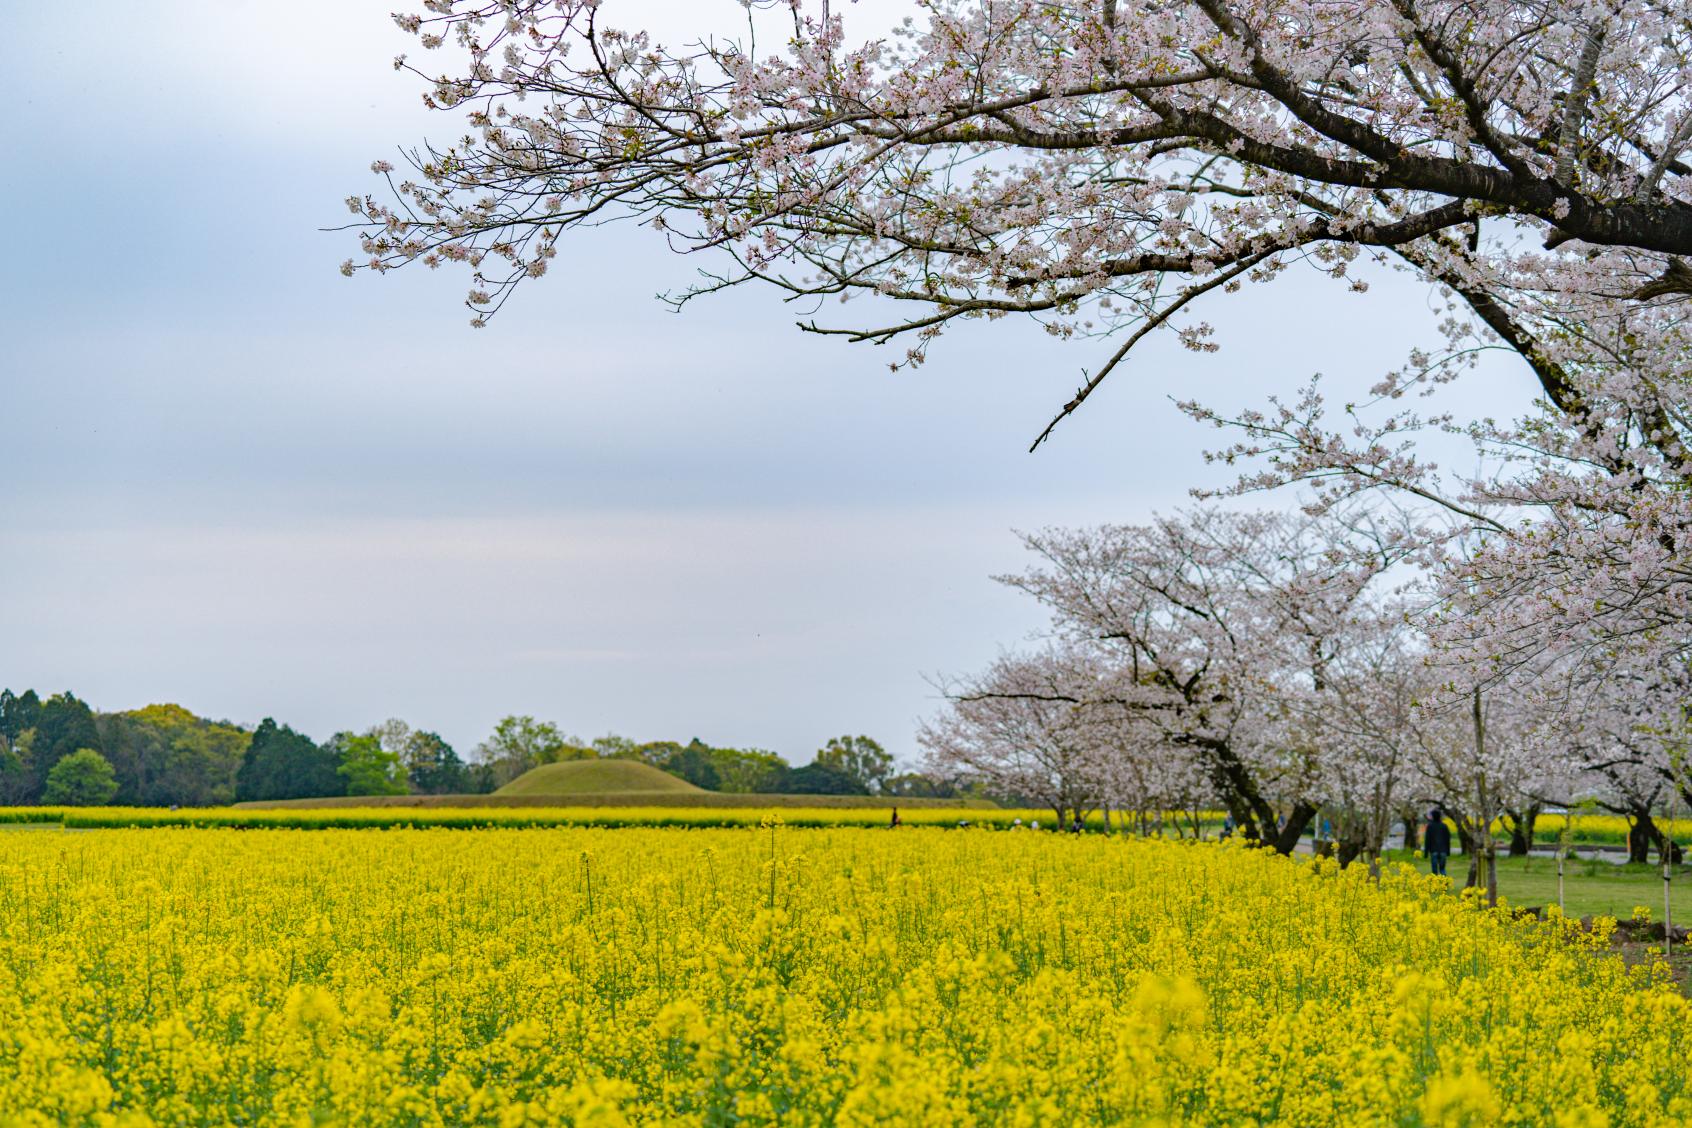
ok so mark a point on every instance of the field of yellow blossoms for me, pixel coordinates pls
(807, 976)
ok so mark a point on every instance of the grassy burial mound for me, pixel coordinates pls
(687, 797)
(613, 783)
(574, 778)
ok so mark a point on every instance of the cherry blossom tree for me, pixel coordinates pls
(1480, 761)
(1276, 660)
(1625, 725)
(1037, 725)
(1574, 533)
(1210, 632)
(1359, 722)
(1100, 166)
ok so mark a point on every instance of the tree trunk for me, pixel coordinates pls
(1483, 868)
(1648, 834)
(1245, 820)
(1465, 842)
(1412, 831)
(1240, 794)
(1286, 839)
(1521, 832)
(1641, 832)
(1349, 849)
(1483, 825)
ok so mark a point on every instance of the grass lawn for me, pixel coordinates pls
(1595, 888)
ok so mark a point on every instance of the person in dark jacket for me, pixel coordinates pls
(1437, 841)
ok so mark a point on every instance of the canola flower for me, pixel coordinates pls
(593, 976)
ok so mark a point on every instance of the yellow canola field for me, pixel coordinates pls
(1609, 830)
(590, 976)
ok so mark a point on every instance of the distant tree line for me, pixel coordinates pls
(59, 751)
(846, 765)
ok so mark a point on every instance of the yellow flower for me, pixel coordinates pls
(1459, 1101)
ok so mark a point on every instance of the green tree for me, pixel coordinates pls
(479, 779)
(614, 747)
(859, 757)
(19, 713)
(367, 767)
(280, 763)
(136, 752)
(520, 743)
(431, 765)
(80, 779)
(818, 779)
(63, 725)
(165, 755)
(656, 752)
(693, 763)
(748, 770)
(16, 780)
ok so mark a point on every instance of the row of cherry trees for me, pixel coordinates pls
(1287, 667)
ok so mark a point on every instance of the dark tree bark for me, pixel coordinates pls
(1253, 814)
(1412, 831)
(1641, 831)
(1350, 848)
(1646, 835)
(1286, 839)
(1521, 831)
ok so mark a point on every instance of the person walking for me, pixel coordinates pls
(894, 825)
(1437, 840)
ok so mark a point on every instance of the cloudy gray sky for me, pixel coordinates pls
(234, 479)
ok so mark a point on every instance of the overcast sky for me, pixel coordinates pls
(236, 480)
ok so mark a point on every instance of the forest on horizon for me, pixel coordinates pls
(61, 751)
